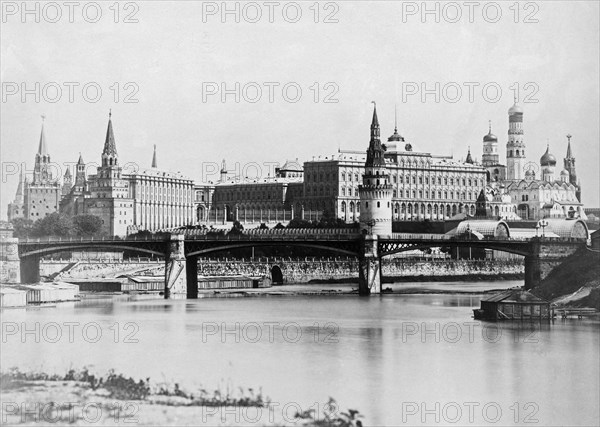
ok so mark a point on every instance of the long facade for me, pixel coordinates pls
(423, 186)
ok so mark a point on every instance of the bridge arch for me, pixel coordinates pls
(241, 245)
(89, 247)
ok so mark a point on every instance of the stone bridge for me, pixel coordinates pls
(181, 251)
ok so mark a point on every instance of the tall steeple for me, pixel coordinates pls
(80, 178)
(375, 124)
(569, 163)
(109, 154)
(154, 166)
(67, 182)
(41, 171)
(42, 148)
(375, 151)
(19, 195)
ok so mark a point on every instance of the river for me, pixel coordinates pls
(417, 359)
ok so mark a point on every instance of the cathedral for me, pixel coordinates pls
(527, 190)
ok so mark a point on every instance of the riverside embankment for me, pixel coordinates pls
(304, 270)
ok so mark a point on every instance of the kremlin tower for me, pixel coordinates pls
(376, 190)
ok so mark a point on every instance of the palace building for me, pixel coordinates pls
(423, 186)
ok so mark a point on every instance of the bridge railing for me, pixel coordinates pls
(93, 239)
(270, 237)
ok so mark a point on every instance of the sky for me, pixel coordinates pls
(164, 78)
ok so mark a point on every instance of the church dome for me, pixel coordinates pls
(548, 159)
(515, 109)
(564, 172)
(490, 137)
(396, 137)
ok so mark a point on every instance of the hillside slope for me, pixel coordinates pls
(580, 270)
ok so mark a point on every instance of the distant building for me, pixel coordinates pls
(256, 201)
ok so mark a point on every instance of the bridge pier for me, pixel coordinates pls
(369, 274)
(175, 268)
(191, 273)
(533, 271)
(9, 260)
(30, 269)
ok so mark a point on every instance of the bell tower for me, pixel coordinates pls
(515, 148)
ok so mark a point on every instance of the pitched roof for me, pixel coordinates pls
(110, 147)
(514, 295)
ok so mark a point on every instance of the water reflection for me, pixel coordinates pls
(378, 355)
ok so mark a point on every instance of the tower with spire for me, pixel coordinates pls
(41, 196)
(80, 179)
(569, 164)
(154, 164)
(109, 190)
(67, 182)
(42, 172)
(74, 203)
(223, 175)
(515, 147)
(16, 209)
(376, 191)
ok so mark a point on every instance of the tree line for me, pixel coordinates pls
(58, 225)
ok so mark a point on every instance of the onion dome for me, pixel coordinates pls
(490, 137)
(515, 109)
(529, 173)
(548, 159)
(564, 172)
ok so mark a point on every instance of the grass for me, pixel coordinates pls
(126, 388)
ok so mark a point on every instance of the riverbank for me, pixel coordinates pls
(575, 283)
(423, 278)
(81, 398)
